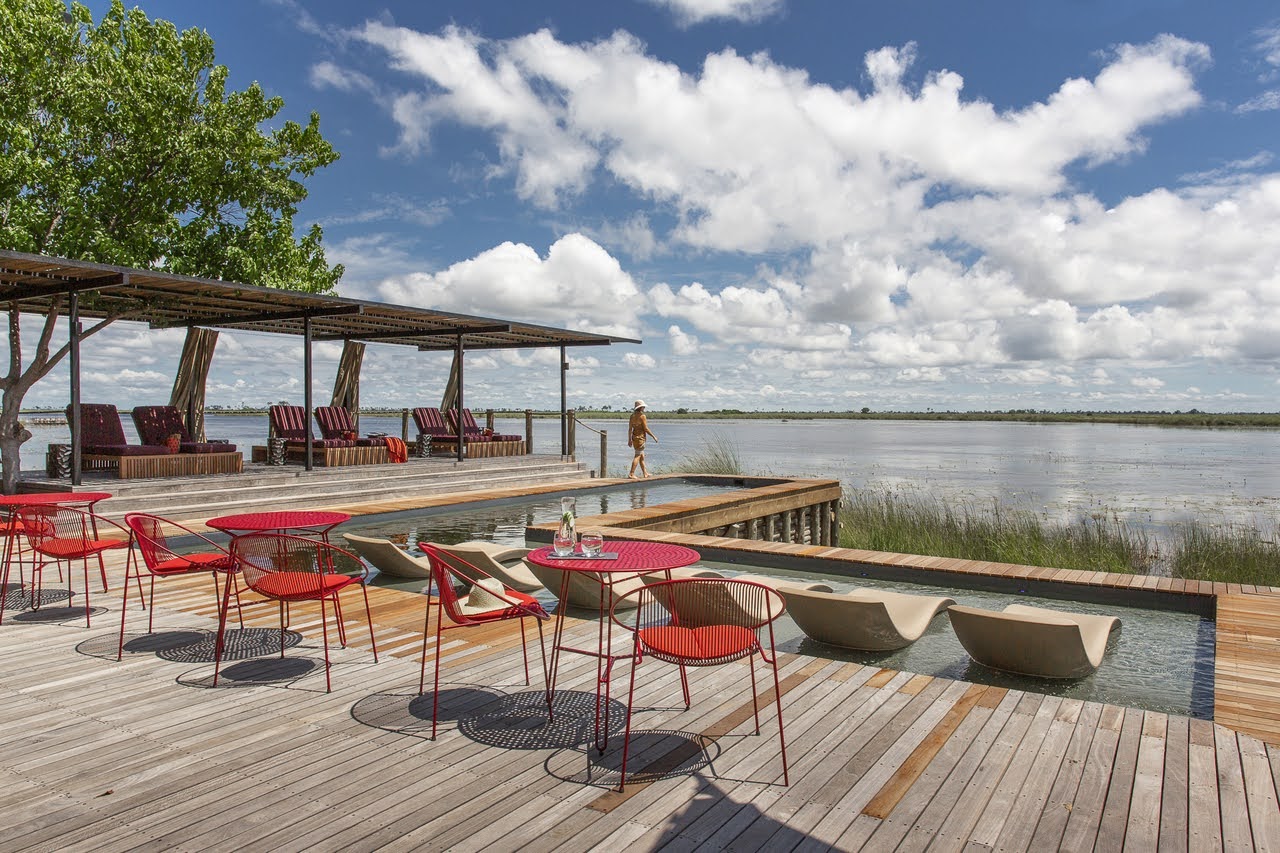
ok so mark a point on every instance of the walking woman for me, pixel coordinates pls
(637, 432)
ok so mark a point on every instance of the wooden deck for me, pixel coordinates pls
(144, 754)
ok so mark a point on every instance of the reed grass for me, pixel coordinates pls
(1231, 553)
(916, 524)
(717, 454)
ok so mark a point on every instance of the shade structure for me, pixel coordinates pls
(82, 290)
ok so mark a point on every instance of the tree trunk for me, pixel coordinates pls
(18, 382)
(12, 436)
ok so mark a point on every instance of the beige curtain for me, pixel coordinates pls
(193, 373)
(450, 398)
(346, 385)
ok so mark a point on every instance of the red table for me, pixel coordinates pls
(633, 558)
(75, 500)
(297, 522)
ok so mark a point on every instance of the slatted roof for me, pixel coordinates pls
(165, 300)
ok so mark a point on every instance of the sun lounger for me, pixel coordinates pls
(156, 423)
(292, 424)
(865, 619)
(336, 423)
(1034, 641)
(103, 447)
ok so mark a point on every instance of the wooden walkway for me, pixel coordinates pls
(102, 756)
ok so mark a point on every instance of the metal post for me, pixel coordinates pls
(306, 391)
(458, 406)
(73, 325)
(564, 404)
(604, 453)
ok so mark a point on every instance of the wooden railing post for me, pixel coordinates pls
(404, 425)
(604, 453)
(528, 430)
(571, 442)
(488, 420)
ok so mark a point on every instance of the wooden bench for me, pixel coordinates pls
(167, 465)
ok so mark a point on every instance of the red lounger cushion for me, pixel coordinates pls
(101, 433)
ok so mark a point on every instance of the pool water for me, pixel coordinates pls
(1159, 660)
(504, 521)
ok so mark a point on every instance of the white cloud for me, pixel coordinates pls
(689, 12)
(905, 226)
(577, 285)
(327, 74)
(639, 361)
(682, 343)
(1147, 383)
(1266, 101)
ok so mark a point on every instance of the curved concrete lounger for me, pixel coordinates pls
(1034, 641)
(584, 587)
(504, 562)
(865, 619)
(389, 558)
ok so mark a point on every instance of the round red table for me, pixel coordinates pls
(632, 558)
(298, 522)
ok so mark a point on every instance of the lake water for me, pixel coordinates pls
(1149, 476)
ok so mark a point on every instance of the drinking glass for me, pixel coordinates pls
(592, 544)
(562, 545)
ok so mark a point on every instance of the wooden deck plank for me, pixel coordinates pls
(884, 757)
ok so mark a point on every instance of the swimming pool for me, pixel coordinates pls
(1160, 660)
(504, 520)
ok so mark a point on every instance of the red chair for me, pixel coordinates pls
(160, 561)
(489, 601)
(701, 622)
(286, 569)
(62, 534)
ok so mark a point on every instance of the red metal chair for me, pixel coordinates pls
(150, 535)
(62, 534)
(702, 622)
(287, 569)
(489, 601)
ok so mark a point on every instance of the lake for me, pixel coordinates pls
(1146, 476)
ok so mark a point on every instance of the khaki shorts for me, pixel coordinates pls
(637, 444)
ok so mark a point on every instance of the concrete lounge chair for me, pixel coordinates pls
(503, 562)
(584, 587)
(388, 557)
(865, 619)
(1034, 641)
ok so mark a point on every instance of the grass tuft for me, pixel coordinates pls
(914, 524)
(717, 454)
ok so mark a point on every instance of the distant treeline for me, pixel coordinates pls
(1191, 418)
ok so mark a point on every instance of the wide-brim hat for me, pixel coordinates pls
(639, 404)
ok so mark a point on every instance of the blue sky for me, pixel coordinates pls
(796, 205)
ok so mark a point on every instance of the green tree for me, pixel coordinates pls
(120, 143)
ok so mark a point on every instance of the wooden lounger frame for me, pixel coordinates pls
(330, 456)
(166, 465)
(477, 449)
